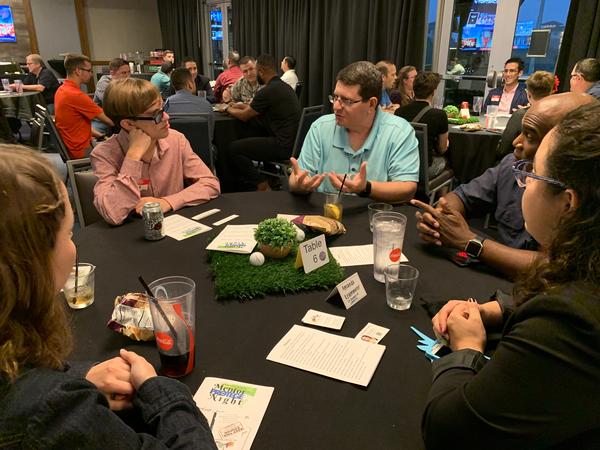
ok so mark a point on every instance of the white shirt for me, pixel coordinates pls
(290, 78)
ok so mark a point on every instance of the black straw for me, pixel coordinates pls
(76, 270)
(342, 186)
(160, 310)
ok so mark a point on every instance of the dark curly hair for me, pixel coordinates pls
(574, 254)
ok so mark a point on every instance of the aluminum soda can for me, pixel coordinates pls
(153, 221)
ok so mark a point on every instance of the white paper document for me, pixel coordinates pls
(356, 255)
(321, 319)
(234, 239)
(179, 227)
(234, 410)
(339, 357)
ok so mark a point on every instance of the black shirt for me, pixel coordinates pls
(436, 120)
(203, 84)
(279, 111)
(47, 79)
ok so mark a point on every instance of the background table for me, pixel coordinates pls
(307, 411)
(472, 152)
(21, 106)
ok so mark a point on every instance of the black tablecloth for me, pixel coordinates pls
(307, 411)
(471, 153)
(21, 106)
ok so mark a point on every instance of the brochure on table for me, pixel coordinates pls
(339, 357)
(233, 409)
(235, 239)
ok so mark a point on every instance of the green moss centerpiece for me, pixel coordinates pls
(275, 237)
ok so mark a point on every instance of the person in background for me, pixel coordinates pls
(498, 193)
(228, 78)
(422, 111)
(46, 402)
(118, 69)
(389, 77)
(202, 82)
(403, 93)
(162, 79)
(540, 388)
(40, 79)
(169, 56)
(512, 95)
(585, 77)
(288, 67)
(75, 110)
(378, 151)
(456, 68)
(269, 132)
(184, 101)
(539, 85)
(146, 161)
(246, 87)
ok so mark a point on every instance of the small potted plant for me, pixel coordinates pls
(275, 237)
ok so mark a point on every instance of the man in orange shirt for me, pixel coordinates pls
(75, 110)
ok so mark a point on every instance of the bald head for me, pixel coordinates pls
(542, 117)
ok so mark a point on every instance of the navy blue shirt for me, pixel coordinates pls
(496, 191)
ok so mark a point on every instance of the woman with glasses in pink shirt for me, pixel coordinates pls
(146, 161)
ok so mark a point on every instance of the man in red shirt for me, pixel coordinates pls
(75, 110)
(228, 77)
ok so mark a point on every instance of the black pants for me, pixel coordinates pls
(238, 169)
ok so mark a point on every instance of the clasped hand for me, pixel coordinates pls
(306, 183)
(118, 378)
(442, 225)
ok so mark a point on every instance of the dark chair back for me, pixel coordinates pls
(195, 127)
(299, 88)
(308, 117)
(55, 141)
(83, 181)
(36, 136)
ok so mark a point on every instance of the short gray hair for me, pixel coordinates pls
(365, 75)
(36, 59)
(588, 68)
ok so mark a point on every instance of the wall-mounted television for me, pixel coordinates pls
(7, 25)
(478, 30)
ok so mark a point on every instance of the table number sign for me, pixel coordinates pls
(312, 254)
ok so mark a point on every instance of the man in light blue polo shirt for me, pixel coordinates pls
(377, 151)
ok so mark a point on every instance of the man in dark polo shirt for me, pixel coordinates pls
(40, 79)
(271, 123)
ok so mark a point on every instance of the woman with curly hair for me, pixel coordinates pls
(44, 402)
(540, 389)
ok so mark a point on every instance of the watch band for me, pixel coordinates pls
(367, 191)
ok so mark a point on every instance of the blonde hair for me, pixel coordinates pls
(540, 84)
(128, 98)
(33, 324)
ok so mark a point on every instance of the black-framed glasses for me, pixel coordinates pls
(344, 101)
(157, 118)
(87, 70)
(523, 169)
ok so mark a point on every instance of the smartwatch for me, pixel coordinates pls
(367, 191)
(474, 247)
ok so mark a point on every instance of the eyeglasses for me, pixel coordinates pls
(523, 169)
(157, 118)
(510, 70)
(343, 101)
(87, 70)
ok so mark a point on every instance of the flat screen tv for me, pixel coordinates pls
(7, 25)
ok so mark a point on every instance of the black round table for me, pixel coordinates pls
(307, 411)
(472, 152)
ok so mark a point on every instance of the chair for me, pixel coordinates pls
(36, 137)
(427, 186)
(55, 141)
(307, 118)
(83, 181)
(195, 127)
(299, 86)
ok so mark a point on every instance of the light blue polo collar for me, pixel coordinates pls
(340, 136)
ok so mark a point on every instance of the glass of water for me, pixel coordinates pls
(400, 285)
(388, 238)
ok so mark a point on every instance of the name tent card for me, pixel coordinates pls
(351, 291)
(313, 253)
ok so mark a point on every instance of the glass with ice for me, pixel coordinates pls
(388, 237)
(79, 289)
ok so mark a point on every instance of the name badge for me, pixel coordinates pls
(496, 98)
(143, 184)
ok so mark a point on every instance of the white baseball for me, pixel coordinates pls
(300, 235)
(257, 259)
